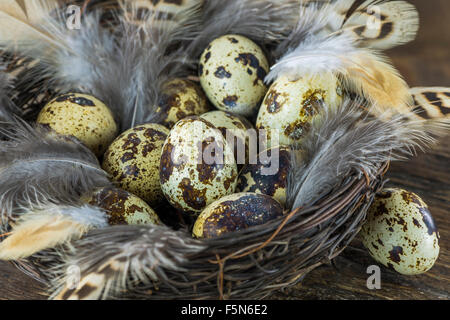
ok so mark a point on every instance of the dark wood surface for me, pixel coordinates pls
(426, 62)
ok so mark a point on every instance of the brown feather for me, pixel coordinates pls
(379, 82)
(38, 234)
(431, 102)
(41, 229)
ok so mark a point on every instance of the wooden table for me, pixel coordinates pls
(426, 62)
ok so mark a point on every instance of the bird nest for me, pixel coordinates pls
(346, 151)
(249, 264)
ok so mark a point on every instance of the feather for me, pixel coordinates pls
(382, 24)
(47, 227)
(345, 139)
(38, 167)
(125, 67)
(361, 70)
(25, 22)
(431, 102)
(312, 18)
(374, 24)
(262, 21)
(114, 259)
(7, 108)
(135, 72)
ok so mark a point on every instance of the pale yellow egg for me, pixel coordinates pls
(236, 212)
(290, 104)
(122, 207)
(197, 165)
(181, 98)
(237, 130)
(133, 159)
(232, 70)
(83, 117)
(400, 232)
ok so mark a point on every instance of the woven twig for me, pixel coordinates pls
(252, 263)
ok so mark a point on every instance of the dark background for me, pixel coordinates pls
(425, 62)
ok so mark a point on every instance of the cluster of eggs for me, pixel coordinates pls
(199, 161)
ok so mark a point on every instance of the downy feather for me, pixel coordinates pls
(381, 24)
(114, 259)
(375, 24)
(262, 21)
(7, 108)
(361, 70)
(431, 102)
(38, 167)
(344, 139)
(48, 226)
(125, 65)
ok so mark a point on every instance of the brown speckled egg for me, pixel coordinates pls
(232, 71)
(83, 117)
(182, 98)
(400, 232)
(122, 207)
(235, 129)
(133, 161)
(236, 212)
(289, 106)
(268, 176)
(197, 165)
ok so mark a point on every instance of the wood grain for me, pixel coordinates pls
(423, 63)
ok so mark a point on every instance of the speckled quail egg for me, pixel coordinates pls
(133, 161)
(236, 212)
(400, 232)
(269, 175)
(289, 105)
(235, 129)
(181, 98)
(232, 71)
(122, 207)
(197, 165)
(83, 117)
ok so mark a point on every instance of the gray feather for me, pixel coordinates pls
(7, 107)
(346, 139)
(125, 65)
(38, 167)
(263, 21)
(114, 259)
(312, 18)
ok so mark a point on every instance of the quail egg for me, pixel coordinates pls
(182, 98)
(83, 117)
(289, 105)
(197, 165)
(235, 129)
(122, 207)
(236, 212)
(232, 71)
(400, 232)
(133, 161)
(269, 175)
